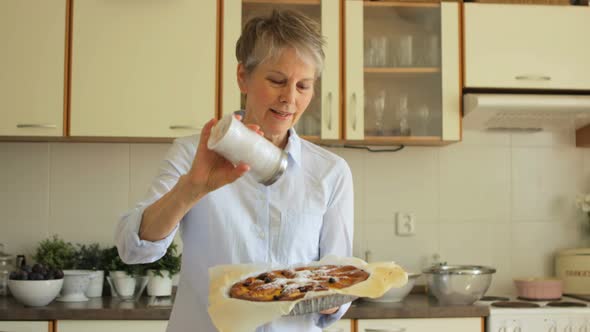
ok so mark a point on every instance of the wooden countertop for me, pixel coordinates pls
(108, 308)
(101, 308)
(413, 306)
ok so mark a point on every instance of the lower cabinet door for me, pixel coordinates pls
(111, 325)
(24, 326)
(421, 325)
(343, 325)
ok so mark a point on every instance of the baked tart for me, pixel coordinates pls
(293, 284)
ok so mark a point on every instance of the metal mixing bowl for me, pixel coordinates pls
(458, 284)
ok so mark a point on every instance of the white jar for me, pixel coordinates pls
(238, 143)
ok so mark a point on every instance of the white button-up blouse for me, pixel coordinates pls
(305, 215)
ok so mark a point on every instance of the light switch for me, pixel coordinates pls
(404, 224)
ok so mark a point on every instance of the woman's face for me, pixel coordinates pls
(278, 92)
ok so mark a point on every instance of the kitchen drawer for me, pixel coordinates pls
(421, 325)
(24, 326)
(111, 325)
(343, 325)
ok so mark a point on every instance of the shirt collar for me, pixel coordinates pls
(293, 147)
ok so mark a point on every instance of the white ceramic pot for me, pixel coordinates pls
(95, 286)
(124, 283)
(159, 286)
(75, 285)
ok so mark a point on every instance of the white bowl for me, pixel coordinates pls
(397, 294)
(35, 293)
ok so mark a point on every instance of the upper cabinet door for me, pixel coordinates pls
(525, 46)
(142, 68)
(354, 92)
(321, 120)
(33, 36)
(402, 72)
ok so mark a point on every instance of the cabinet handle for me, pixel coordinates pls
(395, 329)
(533, 78)
(329, 110)
(174, 127)
(35, 125)
(353, 102)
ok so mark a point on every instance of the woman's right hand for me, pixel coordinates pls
(210, 170)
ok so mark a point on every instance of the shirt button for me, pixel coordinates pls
(261, 235)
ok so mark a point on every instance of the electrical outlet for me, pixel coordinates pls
(405, 224)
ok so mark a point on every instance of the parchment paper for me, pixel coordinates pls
(235, 315)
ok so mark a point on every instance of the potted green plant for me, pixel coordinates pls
(160, 272)
(56, 253)
(90, 258)
(60, 254)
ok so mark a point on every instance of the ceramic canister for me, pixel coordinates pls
(572, 266)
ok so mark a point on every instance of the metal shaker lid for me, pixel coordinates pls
(281, 168)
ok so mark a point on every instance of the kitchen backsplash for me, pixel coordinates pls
(499, 199)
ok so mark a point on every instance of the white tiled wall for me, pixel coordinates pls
(499, 199)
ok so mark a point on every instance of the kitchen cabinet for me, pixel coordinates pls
(142, 68)
(387, 97)
(33, 35)
(402, 72)
(421, 325)
(547, 48)
(25, 326)
(111, 325)
(321, 120)
(343, 325)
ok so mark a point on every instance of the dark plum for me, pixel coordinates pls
(37, 268)
(59, 274)
(35, 276)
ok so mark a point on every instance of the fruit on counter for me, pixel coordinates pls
(36, 272)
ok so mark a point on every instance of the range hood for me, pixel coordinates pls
(525, 112)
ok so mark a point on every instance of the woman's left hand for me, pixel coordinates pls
(329, 311)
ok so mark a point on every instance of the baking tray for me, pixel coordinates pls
(319, 303)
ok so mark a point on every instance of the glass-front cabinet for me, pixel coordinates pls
(401, 72)
(391, 73)
(321, 120)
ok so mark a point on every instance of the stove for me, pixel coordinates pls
(511, 314)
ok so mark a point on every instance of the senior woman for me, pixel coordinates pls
(224, 215)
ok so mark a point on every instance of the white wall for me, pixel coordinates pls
(505, 200)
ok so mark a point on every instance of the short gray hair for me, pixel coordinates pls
(264, 37)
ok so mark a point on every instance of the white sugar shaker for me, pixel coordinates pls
(237, 143)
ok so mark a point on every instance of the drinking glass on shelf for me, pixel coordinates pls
(369, 53)
(379, 107)
(424, 116)
(376, 51)
(405, 50)
(402, 113)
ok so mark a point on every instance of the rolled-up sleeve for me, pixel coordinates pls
(337, 230)
(132, 249)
